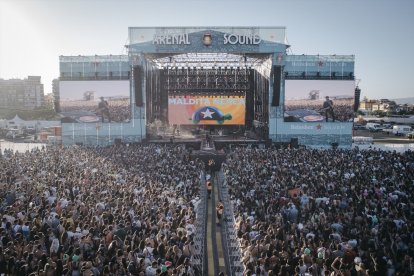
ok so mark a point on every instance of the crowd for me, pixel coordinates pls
(342, 108)
(323, 212)
(119, 109)
(121, 210)
(130, 210)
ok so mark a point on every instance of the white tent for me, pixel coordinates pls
(19, 123)
(16, 122)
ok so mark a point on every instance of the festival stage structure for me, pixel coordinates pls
(208, 87)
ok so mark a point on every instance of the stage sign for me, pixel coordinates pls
(206, 110)
(95, 101)
(319, 100)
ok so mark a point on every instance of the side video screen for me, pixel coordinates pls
(319, 100)
(95, 101)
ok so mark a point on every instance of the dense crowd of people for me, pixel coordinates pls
(131, 210)
(120, 210)
(119, 109)
(323, 212)
(343, 108)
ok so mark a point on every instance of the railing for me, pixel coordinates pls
(231, 244)
(200, 241)
(80, 78)
(315, 77)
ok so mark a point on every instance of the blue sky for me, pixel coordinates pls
(380, 33)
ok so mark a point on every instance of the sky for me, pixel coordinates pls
(74, 90)
(380, 33)
(300, 89)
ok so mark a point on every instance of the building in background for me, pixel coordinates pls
(21, 93)
(56, 97)
(49, 101)
(377, 105)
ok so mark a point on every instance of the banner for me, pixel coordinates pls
(207, 110)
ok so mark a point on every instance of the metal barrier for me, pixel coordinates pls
(231, 244)
(199, 260)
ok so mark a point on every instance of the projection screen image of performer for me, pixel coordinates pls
(103, 109)
(328, 107)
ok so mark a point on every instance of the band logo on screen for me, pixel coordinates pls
(319, 100)
(206, 110)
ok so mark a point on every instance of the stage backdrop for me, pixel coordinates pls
(304, 100)
(206, 110)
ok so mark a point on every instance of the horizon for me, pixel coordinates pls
(33, 34)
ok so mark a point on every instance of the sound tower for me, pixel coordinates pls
(357, 98)
(137, 75)
(277, 79)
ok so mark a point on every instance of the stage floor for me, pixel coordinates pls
(195, 138)
(210, 143)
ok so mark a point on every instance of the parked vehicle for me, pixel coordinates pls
(410, 135)
(401, 130)
(374, 127)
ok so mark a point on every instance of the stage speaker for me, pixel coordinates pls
(137, 75)
(277, 79)
(117, 141)
(294, 143)
(357, 98)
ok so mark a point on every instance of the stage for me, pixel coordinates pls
(206, 141)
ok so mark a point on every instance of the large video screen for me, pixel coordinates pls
(206, 110)
(95, 101)
(319, 100)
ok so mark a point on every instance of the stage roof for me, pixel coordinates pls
(208, 60)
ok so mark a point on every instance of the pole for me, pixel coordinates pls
(73, 132)
(140, 124)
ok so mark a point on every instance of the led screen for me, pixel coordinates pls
(206, 110)
(95, 101)
(319, 100)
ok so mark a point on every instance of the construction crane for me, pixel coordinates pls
(314, 95)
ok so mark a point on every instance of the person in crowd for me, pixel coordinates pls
(219, 211)
(209, 188)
